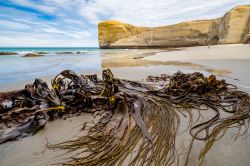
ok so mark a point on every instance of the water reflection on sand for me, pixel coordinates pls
(128, 64)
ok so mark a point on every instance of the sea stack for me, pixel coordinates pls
(233, 27)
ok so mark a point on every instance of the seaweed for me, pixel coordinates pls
(138, 122)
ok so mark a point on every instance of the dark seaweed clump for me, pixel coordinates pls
(138, 123)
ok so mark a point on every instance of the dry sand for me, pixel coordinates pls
(231, 51)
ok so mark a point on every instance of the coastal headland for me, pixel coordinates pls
(233, 27)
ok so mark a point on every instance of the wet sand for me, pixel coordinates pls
(32, 150)
(226, 151)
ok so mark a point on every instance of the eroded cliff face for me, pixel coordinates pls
(233, 27)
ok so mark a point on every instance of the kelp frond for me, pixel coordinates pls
(139, 122)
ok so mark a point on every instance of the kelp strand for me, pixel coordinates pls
(139, 122)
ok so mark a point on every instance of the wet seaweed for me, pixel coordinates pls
(138, 122)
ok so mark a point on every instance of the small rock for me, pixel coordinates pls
(139, 57)
(8, 53)
(65, 52)
(42, 53)
(32, 55)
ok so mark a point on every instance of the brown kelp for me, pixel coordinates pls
(138, 122)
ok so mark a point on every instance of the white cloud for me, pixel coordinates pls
(155, 13)
(73, 21)
(12, 25)
(72, 34)
(76, 20)
(35, 5)
(38, 40)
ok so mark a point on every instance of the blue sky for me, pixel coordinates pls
(74, 22)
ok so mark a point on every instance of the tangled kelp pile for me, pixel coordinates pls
(138, 122)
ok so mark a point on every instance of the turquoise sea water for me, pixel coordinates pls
(46, 49)
(17, 68)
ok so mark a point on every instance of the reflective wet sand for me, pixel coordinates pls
(137, 65)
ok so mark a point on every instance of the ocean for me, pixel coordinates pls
(15, 68)
(46, 49)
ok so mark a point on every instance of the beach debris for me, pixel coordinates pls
(138, 122)
(162, 77)
(29, 127)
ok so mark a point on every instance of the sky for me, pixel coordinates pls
(73, 23)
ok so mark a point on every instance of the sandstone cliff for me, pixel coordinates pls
(233, 27)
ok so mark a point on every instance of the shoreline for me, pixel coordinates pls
(55, 131)
(158, 61)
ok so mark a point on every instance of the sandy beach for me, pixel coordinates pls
(117, 83)
(229, 51)
(230, 62)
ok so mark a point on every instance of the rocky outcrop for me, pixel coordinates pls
(233, 27)
(8, 53)
(33, 55)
